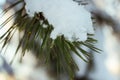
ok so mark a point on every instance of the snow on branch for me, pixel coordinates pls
(67, 17)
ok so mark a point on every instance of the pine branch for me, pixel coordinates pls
(51, 52)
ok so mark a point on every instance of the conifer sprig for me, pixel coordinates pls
(36, 38)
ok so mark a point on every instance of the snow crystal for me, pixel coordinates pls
(67, 17)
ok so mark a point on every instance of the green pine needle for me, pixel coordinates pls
(56, 52)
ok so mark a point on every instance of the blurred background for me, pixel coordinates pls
(104, 66)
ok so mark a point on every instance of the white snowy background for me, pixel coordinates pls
(107, 64)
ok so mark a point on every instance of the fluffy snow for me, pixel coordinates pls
(67, 17)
